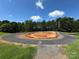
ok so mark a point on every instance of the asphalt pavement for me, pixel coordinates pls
(67, 39)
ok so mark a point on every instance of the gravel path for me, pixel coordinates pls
(12, 38)
(50, 52)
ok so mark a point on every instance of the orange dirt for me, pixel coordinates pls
(41, 35)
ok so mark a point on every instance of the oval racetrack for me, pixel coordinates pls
(13, 38)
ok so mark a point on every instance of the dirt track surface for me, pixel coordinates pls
(41, 35)
(13, 38)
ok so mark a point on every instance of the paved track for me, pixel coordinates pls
(50, 52)
(12, 38)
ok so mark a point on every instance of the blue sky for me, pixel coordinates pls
(21, 10)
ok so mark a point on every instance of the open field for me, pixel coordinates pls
(2, 33)
(8, 51)
(72, 50)
(11, 51)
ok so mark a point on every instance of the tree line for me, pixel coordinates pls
(65, 24)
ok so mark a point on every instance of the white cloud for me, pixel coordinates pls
(39, 4)
(56, 13)
(35, 18)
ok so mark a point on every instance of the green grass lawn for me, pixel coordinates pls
(2, 33)
(72, 50)
(8, 51)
